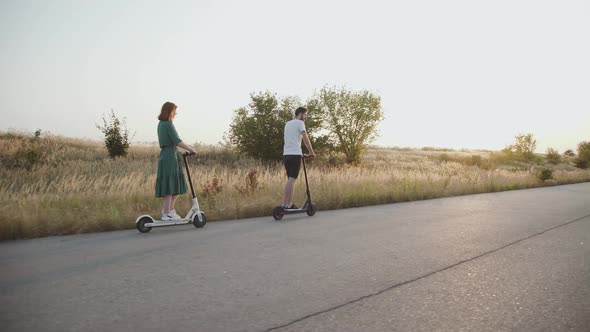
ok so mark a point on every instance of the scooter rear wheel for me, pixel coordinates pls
(141, 224)
(197, 222)
(311, 210)
(278, 212)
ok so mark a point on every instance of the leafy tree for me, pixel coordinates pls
(523, 147)
(351, 118)
(116, 135)
(257, 130)
(319, 136)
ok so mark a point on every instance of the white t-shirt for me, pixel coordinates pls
(293, 130)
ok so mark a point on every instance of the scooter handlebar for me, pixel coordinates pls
(188, 154)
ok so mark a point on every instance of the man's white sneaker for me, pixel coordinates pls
(165, 217)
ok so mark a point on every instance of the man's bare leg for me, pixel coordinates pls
(289, 191)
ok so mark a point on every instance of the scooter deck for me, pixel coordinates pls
(160, 223)
(294, 210)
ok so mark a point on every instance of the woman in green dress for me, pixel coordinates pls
(170, 180)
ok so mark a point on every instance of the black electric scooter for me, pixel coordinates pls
(278, 212)
(145, 223)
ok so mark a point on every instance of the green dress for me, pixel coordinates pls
(170, 179)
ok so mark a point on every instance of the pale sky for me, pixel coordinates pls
(456, 74)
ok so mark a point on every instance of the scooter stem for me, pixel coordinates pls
(306, 183)
(188, 173)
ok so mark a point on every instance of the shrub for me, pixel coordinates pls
(583, 155)
(251, 183)
(553, 156)
(584, 151)
(31, 154)
(545, 174)
(579, 163)
(212, 188)
(116, 135)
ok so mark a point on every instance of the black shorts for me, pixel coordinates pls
(292, 165)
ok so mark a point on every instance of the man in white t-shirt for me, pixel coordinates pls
(292, 153)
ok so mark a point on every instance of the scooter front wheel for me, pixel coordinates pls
(278, 212)
(311, 210)
(198, 223)
(141, 224)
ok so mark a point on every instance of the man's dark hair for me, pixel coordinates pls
(300, 110)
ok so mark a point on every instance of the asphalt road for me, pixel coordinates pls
(510, 261)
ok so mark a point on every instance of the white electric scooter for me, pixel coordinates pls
(145, 223)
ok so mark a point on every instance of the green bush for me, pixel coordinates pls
(31, 154)
(584, 151)
(583, 155)
(583, 164)
(116, 135)
(553, 156)
(545, 174)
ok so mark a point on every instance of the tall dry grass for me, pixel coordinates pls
(75, 187)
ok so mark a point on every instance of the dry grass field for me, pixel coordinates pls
(54, 185)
